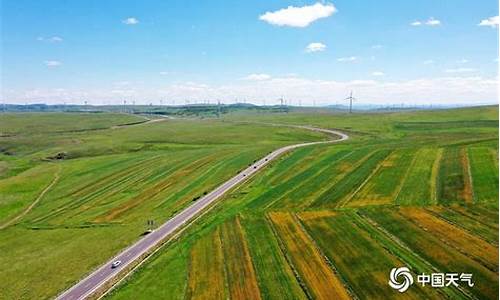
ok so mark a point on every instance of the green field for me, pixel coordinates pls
(109, 183)
(319, 221)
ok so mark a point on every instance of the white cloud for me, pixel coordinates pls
(164, 73)
(428, 62)
(462, 61)
(492, 22)
(376, 47)
(430, 22)
(53, 39)
(315, 47)
(299, 16)
(257, 77)
(130, 21)
(378, 73)
(52, 63)
(347, 59)
(433, 22)
(56, 39)
(460, 70)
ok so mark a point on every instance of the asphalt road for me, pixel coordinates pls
(105, 273)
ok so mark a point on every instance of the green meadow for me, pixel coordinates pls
(115, 175)
(330, 218)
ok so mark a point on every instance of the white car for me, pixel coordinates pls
(116, 264)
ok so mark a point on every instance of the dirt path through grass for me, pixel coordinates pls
(40, 196)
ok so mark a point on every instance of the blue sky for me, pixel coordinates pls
(423, 51)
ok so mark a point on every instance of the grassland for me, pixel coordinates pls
(302, 204)
(441, 252)
(418, 189)
(110, 182)
(362, 261)
(206, 271)
(312, 270)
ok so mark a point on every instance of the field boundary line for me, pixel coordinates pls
(403, 181)
(469, 174)
(300, 185)
(288, 259)
(447, 243)
(36, 201)
(379, 228)
(443, 218)
(434, 180)
(224, 267)
(108, 186)
(308, 203)
(349, 197)
(343, 175)
(470, 217)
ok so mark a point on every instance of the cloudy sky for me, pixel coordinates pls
(386, 51)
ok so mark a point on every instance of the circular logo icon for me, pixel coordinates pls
(400, 279)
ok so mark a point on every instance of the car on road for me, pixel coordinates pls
(116, 264)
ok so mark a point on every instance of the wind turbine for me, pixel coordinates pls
(350, 98)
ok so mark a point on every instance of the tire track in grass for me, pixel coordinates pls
(149, 193)
(152, 191)
(204, 181)
(79, 207)
(103, 190)
(192, 169)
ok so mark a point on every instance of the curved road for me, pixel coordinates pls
(104, 274)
